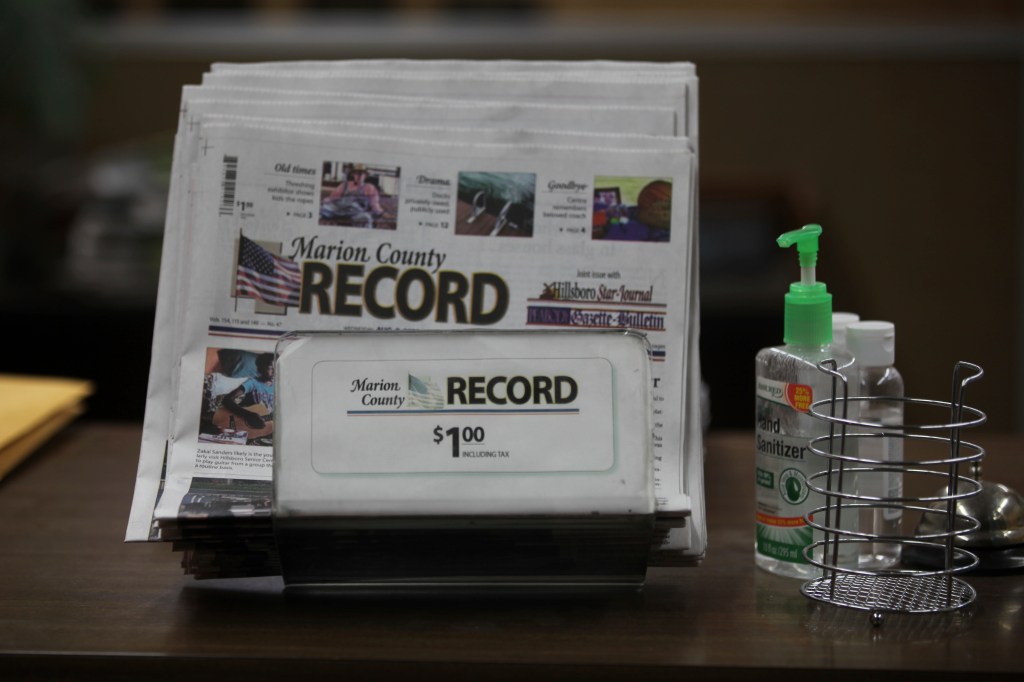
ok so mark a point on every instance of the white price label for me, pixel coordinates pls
(462, 416)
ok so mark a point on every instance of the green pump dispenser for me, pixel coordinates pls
(808, 316)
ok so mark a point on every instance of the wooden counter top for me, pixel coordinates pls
(76, 602)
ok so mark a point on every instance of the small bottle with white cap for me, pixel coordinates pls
(873, 345)
(840, 320)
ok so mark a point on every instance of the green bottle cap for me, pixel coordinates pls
(808, 317)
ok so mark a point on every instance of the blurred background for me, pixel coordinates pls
(896, 124)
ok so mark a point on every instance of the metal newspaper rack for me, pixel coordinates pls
(939, 454)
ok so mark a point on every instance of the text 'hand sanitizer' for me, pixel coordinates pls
(788, 381)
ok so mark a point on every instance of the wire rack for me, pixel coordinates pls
(939, 452)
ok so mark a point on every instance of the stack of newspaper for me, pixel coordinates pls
(388, 195)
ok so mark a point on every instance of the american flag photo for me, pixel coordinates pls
(266, 277)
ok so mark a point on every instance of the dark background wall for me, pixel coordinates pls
(896, 125)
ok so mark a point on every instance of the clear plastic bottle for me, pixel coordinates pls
(788, 381)
(873, 344)
(839, 322)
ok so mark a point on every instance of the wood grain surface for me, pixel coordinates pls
(76, 602)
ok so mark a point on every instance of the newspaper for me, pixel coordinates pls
(255, 170)
(345, 108)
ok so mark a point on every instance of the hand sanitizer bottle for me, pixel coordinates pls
(787, 382)
(873, 345)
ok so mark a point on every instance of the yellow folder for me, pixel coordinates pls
(32, 409)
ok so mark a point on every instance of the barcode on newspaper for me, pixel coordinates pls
(227, 185)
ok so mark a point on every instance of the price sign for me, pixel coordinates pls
(463, 416)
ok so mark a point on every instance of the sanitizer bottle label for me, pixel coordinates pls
(784, 463)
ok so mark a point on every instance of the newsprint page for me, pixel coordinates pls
(399, 195)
